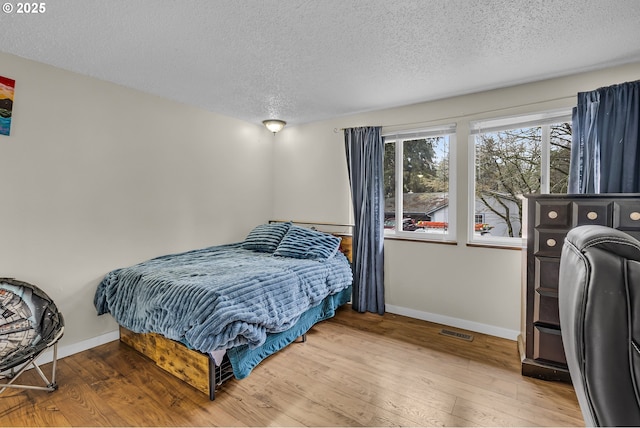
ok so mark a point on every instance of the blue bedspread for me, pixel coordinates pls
(244, 359)
(219, 297)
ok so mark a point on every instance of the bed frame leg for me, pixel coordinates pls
(301, 339)
(212, 379)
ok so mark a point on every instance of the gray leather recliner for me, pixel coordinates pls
(599, 304)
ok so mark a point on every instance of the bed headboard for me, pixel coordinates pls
(346, 246)
(343, 231)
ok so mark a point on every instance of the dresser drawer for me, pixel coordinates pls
(548, 242)
(548, 345)
(592, 212)
(552, 214)
(547, 272)
(626, 215)
(545, 309)
(545, 305)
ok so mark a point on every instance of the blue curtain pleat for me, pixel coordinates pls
(364, 149)
(605, 155)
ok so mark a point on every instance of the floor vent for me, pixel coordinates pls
(456, 334)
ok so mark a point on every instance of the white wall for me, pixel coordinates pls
(95, 176)
(463, 286)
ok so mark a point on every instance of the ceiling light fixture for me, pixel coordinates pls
(274, 125)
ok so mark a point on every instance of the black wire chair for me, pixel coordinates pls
(30, 324)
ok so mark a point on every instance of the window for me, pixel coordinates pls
(418, 171)
(513, 157)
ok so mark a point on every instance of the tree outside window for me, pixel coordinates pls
(422, 178)
(512, 162)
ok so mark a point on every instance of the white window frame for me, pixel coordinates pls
(541, 119)
(428, 132)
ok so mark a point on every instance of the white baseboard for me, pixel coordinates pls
(455, 322)
(74, 348)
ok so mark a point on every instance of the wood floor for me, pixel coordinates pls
(354, 370)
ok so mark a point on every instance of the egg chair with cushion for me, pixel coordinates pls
(30, 324)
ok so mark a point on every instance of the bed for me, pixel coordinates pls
(211, 314)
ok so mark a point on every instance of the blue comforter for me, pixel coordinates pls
(219, 297)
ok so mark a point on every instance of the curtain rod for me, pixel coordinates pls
(336, 130)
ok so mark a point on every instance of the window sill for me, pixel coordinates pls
(425, 240)
(502, 245)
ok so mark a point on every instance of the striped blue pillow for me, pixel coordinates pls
(266, 237)
(303, 243)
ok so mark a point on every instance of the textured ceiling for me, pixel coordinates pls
(308, 60)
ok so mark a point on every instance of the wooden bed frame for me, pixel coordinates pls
(194, 367)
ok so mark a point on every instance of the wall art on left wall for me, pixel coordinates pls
(6, 104)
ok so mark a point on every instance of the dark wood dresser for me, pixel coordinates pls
(547, 219)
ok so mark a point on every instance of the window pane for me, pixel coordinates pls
(507, 166)
(559, 157)
(390, 185)
(425, 184)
